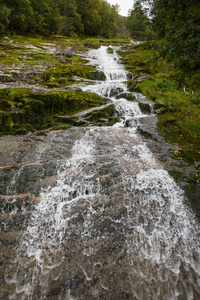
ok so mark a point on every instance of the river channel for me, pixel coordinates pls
(110, 222)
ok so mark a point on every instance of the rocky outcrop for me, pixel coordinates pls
(140, 79)
(99, 75)
(99, 116)
(24, 110)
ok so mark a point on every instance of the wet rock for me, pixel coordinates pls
(145, 108)
(132, 123)
(148, 128)
(99, 75)
(16, 203)
(104, 197)
(128, 96)
(140, 79)
(129, 76)
(105, 116)
(98, 218)
(115, 91)
(64, 50)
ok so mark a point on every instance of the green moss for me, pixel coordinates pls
(44, 57)
(66, 72)
(127, 96)
(105, 116)
(110, 50)
(179, 111)
(38, 110)
(6, 178)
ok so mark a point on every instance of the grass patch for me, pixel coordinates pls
(39, 57)
(177, 93)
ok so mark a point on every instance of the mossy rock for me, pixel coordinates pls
(105, 116)
(136, 88)
(39, 109)
(145, 108)
(66, 72)
(110, 50)
(91, 45)
(127, 96)
(160, 108)
(99, 75)
(21, 131)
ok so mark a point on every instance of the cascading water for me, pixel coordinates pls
(112, 224)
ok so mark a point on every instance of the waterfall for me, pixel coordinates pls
(112, 223)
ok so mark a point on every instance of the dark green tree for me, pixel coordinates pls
(108, 23)
(89, 12)
(4, 17)
(70, 20)
(47, 18)
(139, 24)
(178, 21)
(86, 17)
(18, 14)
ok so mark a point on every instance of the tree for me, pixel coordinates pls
(4, 17)
(178, 21)
(138, 23)
(88, 10)
(70, 20)
(87, 17)
(107, 24)
(18, 14)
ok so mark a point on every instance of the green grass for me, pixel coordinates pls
(39, 57)
(166, 87)
(185, 105)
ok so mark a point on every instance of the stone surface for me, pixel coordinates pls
(94, 258)
(140, 79)
(91, 213)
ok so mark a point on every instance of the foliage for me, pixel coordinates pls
(4, 17)
(88, 10)
(138, 23)
(109, 20)
(179, 23)
(59, 17)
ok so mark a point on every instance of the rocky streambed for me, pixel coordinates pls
(88, 209)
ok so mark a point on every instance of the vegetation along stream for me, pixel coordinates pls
(89, 209)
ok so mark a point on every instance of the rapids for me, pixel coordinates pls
(111, 223)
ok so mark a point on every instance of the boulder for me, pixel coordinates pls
(99, 75)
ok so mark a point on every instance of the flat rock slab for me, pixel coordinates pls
(140, 79)
(103, 222)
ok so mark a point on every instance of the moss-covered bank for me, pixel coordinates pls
(23, 110)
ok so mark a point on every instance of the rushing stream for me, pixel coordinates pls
(111, 223)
